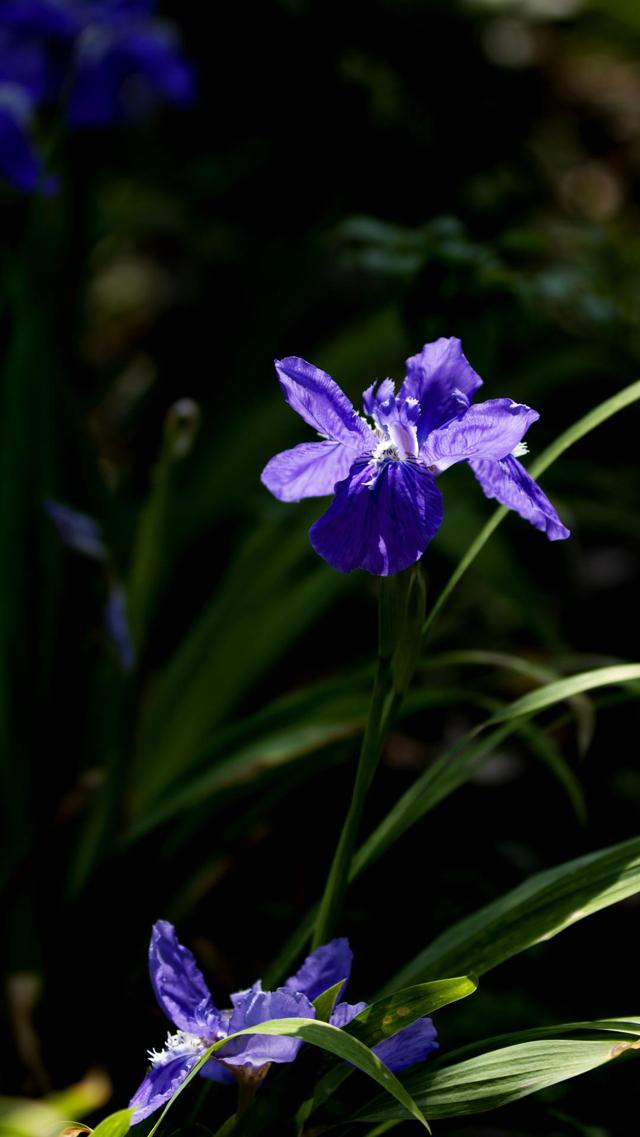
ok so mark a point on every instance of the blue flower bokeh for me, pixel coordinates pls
(98, 63)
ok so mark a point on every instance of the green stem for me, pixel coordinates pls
(382, 703)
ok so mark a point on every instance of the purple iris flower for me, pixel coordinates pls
(387, 505)
(184, 997)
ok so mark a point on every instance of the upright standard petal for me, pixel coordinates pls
(159, 1084)
(489, 430)
(509, 483)
(256, 1050)
(312, 469)
(442, 380)
(325, 967)
(382, 518)
(321, 403)
(413, 1044)
(178, 983)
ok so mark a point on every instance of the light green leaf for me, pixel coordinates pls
(385, 1017)
(567, 688)
(117, 1125)
(325, 1002)
(536, 910)
(494, 1078)
(579, 429)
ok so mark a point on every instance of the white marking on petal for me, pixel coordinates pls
(520, 450)
(178, 1045)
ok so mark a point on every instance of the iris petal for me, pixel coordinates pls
(178, 983)
(488, 430)
(408, 1046)
(323, 969)
(509, 483)
(442, 380)
(321, 403)
(381, 519)
(344, 1013)
(159, 1084)
(259, 1007)
(312, 469)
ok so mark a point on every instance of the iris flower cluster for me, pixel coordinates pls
(184, 997)
(384, 468)
(102, 61)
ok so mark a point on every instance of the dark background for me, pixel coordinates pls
(356, 179)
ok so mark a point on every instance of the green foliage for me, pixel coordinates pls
(538, 909)
(117, 1125)
(498, 1077)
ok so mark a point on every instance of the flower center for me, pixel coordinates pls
(178, 1045)
(397, 442)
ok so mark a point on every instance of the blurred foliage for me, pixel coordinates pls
(356, 179)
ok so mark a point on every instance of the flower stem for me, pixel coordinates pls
(396, 628)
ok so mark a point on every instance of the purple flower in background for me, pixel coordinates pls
(184, 997)
(387, 505)
(83, 534)
(107, 60)
(23, 84)
(124, 61)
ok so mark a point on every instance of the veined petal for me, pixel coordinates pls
(159, 1084)
(413, 1044)
(311, 469)
(321, 403)
(489, 430)
(509, 483)
(381, 519)
(325, 967)
(257, 1050)
(442, 380)
(178, 983)
(344, 1013)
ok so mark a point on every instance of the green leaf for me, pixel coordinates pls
(452, 769)
(494, 1078)
(212, 668)
(567, 688)
(151, 557)
(455, 766)
(536, 910)
(325, 1002)
(582, 706)
(326, 1037)
(595, 1029)
(579, 429)
(117, 1125)
(387, 1016)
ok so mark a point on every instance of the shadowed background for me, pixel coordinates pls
(354, 180)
